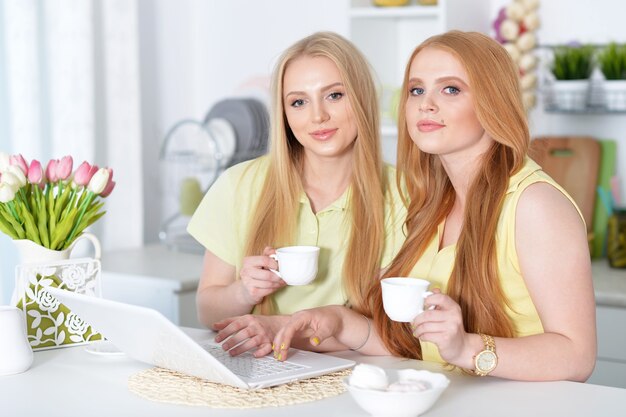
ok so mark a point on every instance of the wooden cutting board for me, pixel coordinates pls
(573, 162)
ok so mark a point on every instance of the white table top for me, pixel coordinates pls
(156, 261)
(72, 382)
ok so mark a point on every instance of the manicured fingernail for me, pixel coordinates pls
(282, 346)
(280, 356)
(272, 346)
(315, 341)
(275, 355)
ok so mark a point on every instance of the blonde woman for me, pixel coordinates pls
(502, 241)
(322, 184)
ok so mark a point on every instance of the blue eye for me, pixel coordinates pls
(417, 91)
(335, 96)
(451, 90)
(297, 103)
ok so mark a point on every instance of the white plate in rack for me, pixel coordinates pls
(225, 137)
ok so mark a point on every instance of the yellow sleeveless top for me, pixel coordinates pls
(436, 265)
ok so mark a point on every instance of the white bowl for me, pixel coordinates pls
(400, 404)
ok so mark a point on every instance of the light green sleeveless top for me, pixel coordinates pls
(436, 265)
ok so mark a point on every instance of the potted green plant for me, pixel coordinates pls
(572, 67)
(612, 63)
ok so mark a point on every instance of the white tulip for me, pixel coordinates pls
(18, 173)
(98, 181)
(7, 192)
(11, 180)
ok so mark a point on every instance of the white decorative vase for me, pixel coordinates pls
(615, 95)
(570, 95)
(16, 355)
(32, 253)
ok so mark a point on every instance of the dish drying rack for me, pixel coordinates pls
(194, 154)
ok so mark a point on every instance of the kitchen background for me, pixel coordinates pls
(104, 81)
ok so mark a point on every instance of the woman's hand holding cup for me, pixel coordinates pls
(440, 323)
(257, 279)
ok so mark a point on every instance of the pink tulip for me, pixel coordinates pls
(110, 185)
(83, 174)
(19, 161)
(51, 170)
(35, 172)
(64, 168)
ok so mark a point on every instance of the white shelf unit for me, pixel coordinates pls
(388, 35)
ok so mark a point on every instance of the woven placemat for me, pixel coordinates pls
(163, 385)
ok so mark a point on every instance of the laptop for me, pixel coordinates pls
(146, 335)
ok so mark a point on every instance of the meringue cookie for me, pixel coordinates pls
(409, 386)
(369, 377)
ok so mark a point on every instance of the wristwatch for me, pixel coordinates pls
(486, 360)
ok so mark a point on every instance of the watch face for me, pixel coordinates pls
(486, 361)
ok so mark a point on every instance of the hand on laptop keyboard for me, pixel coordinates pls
(246, 365)
(250, 332)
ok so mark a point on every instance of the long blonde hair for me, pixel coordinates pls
(474, 282)
(276, 212)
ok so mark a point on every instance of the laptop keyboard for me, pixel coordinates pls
(246, 365)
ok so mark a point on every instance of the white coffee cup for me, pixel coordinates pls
(403, 298)
(297, 264)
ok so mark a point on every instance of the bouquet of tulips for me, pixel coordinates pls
(51, 207)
